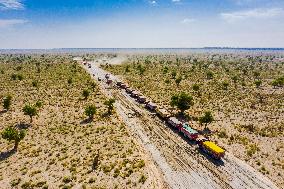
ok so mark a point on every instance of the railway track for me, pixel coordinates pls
(188, 167)
(182, 154)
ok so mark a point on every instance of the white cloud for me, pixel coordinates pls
(11, 22)
(153, 2)
(11, 4)
(188, 20)
(175, 1)
(253, 13)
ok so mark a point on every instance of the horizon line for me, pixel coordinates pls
(282, 48)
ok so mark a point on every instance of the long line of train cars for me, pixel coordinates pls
(184, 128)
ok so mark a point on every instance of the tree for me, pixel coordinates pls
(90, 111)
(11, 134)
(7, 102)
(178, 80)
(207, 118)
(278, 82)
(20, 77)
(127, 68)
(96, 160)
(141, 69)
(196, 88)
(86, 93)
(256, 74)
(209, 75)
(70, 81)
(257, 83)
(109, 103)
(225, 85)
(165, 70)
(274, 83)
(174, 74)
(30, 111)
(14, 76)
(93, 86)
(182, 101)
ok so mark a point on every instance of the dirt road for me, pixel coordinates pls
(182, 164)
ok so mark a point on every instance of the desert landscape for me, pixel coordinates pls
(148, 94)
(64, 125)
(69, 135)
(242, 90)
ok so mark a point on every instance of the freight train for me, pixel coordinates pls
(184, 128)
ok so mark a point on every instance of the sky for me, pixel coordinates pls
(40, 24)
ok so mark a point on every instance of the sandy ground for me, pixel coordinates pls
(182, 165)
(59, 148)
(248, 121)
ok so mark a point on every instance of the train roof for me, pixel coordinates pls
(163, 111)
(201, 138)
(152, 104)
(214, 147)
(189, 129)
(135, 92)
(175, 120)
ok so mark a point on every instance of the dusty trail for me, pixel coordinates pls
(181, 163)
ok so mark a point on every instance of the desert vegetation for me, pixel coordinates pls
(238, 97)
(55, 132)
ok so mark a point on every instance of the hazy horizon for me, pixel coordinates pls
(280, 48)
(50, 24)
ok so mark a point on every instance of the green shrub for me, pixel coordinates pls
(252, 149)
(12, 134)
(86, 93)
(7, 102)
(90, 111)
(30, 111)
(142, 179)
(182, 101)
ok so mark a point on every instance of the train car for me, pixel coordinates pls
(210, 148)
(124, 86)
(129, 90)
(107, 76)
(134, 94)
(151, 106)
(188, 132)
(163, 113)
(141, 99)
(174, 122)
(109, 81)
(118, 83)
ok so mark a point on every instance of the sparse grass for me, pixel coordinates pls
(58, 145)
(244, 94)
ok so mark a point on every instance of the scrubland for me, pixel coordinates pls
(243, 91)
(63, 148)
